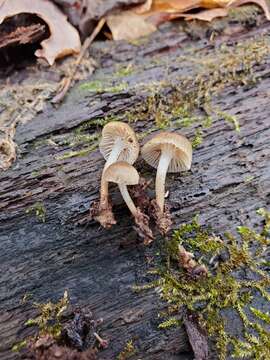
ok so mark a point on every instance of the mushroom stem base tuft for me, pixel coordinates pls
(142, 227)
(162, 218)
(102, 214)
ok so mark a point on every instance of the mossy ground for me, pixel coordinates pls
(238, 274)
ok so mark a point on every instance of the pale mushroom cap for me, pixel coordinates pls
(118, 130)
(122, 173)
(177, 143)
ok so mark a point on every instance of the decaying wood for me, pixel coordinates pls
(22, 35)
(99, 267)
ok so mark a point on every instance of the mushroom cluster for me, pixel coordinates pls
(167, 152)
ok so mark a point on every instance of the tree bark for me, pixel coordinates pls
(99, 267)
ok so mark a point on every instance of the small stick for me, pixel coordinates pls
(64, 87)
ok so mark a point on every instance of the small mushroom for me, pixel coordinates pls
(168, 152)
(123, 174)
(119, 142)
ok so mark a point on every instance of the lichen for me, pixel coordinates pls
(228, 286)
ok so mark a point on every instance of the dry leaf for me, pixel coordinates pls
(64, 39)
(128, 25)
(208, 15)
(136, 23)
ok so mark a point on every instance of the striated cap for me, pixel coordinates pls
(122, 173)
(116, 130)
(178, 144)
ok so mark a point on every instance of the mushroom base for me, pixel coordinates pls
(142, 227)
(162, 218)
(103, 214)
(139, 195)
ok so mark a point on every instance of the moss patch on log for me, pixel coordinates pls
(238, 273)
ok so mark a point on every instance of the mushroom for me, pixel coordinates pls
(119, 142)
(123, 174)
(168, 152)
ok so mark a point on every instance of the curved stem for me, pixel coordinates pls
(114, 155)
(130, 204)
(163, 165)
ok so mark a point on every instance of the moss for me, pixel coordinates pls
(18, 346)
(128, 351)
(169, 323)
(198, 139)
(230, 119)
(78, 153)
(125, 71)
(99, 87)
(222, 289)
(49, 322)
(39, 210)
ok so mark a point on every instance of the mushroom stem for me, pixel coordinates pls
(130, 204)
(116, 151)
(164, 162)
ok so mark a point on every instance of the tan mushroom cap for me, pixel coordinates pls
(179, 144)
(115, 130)
(122, 173)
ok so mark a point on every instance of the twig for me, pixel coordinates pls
(68, 80)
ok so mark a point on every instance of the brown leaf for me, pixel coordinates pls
(186, 260)
(208, 15)
(128, 25)
(145, 18)
(64, 39)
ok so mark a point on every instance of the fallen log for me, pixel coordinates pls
(44, 197)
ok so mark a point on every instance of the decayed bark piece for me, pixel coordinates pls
(46, 348)
(22, 35)
(197, 338)
(64, 39)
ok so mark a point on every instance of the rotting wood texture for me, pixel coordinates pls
(229, 180)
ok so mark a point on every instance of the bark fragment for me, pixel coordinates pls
(22, 35)
(197, 337)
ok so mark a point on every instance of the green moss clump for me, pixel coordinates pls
(83, 152)
(99, 87)
(222, 289)
(49, 321)
(125, 71)
(127, 352)
(39, 210)
(198, 139)
(230, 119)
